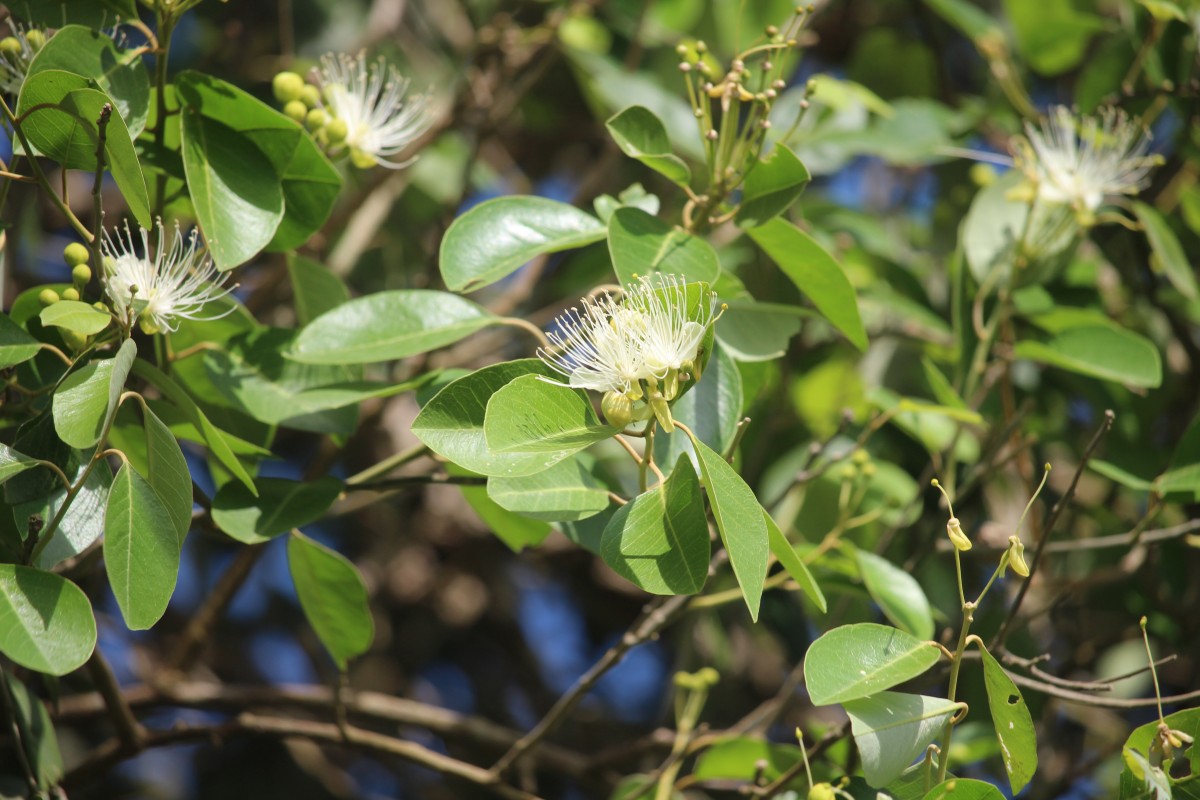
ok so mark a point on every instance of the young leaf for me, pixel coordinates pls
(1099, 351)
(167, 472)
(280, 506)
(783, 550)
(739, 519)
(660, 541)
(46, 622)
(496, 238)
(531, 416)
(855, 661)
(141, 549)
(771, 187)
(641, 135)
(565, 492)
(1014, 725)
(815, 273)
(333, 597)
(897, 593)
(893, 729)
(641, 244)
(386, 326)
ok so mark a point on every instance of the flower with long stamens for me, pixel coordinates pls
(16, 51)
(1079, 161)
(176, 282)
(598, 347)
(370, 100)
(672, 339)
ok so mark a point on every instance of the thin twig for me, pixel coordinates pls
(129, 730)
(198, 632)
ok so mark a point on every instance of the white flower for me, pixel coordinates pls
(370, 100)
(672, 339)
(175, 284)
(598, 348)
(1080, 161)
(16, 51)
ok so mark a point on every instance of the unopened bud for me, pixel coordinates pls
(822, 791)
(296, 110)
(957, 537)
(287, 87)
(316, 119)
(310, 95)
(75, 254)
(81, 275)
(1016, 556)
(617, 409)
(36, 39)
(70, 293)
(48, 297)
(75, 341)
(337, 131)
(10, 46)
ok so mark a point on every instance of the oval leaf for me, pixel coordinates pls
(333, 597)
(859, 660)
(75, 316)
(641, 134)
(141, 549)
(532, 416)
(388, 325)
(16, 345)
(771, 187)
(898, 594)
(280, 506)
(964, 789)
(641, 244)
(1099, 351)
(46, 622)
(496, 238)
(1014, 725)
(167, 471)
(564, 493)
(893, 729)
(782, 549)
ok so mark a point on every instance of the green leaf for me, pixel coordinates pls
(712, 408)
(997, 221)
(212, 436)
(893, 729)
(87, 399)
(451, 423)
(75, 316)
(660, 540)
(1052, 36)
(740, 520)
(93, 13)
(117, 72)
(280, 506)
(737, 759)
(1187, 721)
(641, 244)
(898, 594)
(964, 789)
(82, 524)
(1099, 351)
(771, 187)
(753, 331)
(46, 622)
(972, 21)
(641, 135)
(388, 325)
(37, 438)
(1142, 780)
(783, 550)
(236, 151)
(860, 660)
(16, 345)
(516, 531)
(167, 472)
(942, 389)
(333, 597)
(315, 289)
(496, 238)
(1014, 725)
(64, 127)
(531, 416)
(815, 273)
(13, 463)
(310, 188)
(566, 492)
(37, 733)
(141, 549)
(1168, 253)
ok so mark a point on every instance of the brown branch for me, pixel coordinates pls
(1093, 700)
(199, 629)
(130, 733)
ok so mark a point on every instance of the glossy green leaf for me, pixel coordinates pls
(117, 72)
(37, 733)
(64, 127)
(641, 244)
(1187, 721)
(531, 416)
(388, 325)
(739, 759)
(753, 331)
(1168, 252)
(280, 506)
(893, 729)
(82, 524)
(310, 188)
(516, 531)
(13, 463)
(712, 409)
(496, 238)
(333, 597)
(1014, 725)
(141, 549)
(88, 398)
(771, 187)
(964, 789)
(315, 289)
(815, 273)
(659, 541)
(16, 345)
(740, 520)
(898, 594)
(860, 660)
(782, 549)
(167, 472)
(46, 622)
(37, 438)
(236, 150)
(1143, 780)
(75, 316)
(213, 437)
(641, 135)
(565, 492)
(1099, 351)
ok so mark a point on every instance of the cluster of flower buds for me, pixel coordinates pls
(76, 256)
(16, 52)
(1014, 554)
(699, 681)
(302, 102)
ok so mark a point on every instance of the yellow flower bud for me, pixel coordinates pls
(296, 110)
(822, 791)
(617, 409)
(1016, 556)
(48, 297)
(957, 537)
(315, 119)
(70, 293)
(287, 86)
(75, 254)
(10, 46)
(310, 95)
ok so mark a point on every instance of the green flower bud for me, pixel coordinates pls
(617, 409)
(1016, 556)
(148, 325)
(296, 110)
(662, 412)
(75, 254)
(287, 86)
(316, 119)
(101, 306)
(81, 275)
(48, 297)
(822, 791)
(957, 537)
(70, 293)
(337, 131)
(73, 340)
(36, 39)
(310, 95)
(10, 46)
(360, 159)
